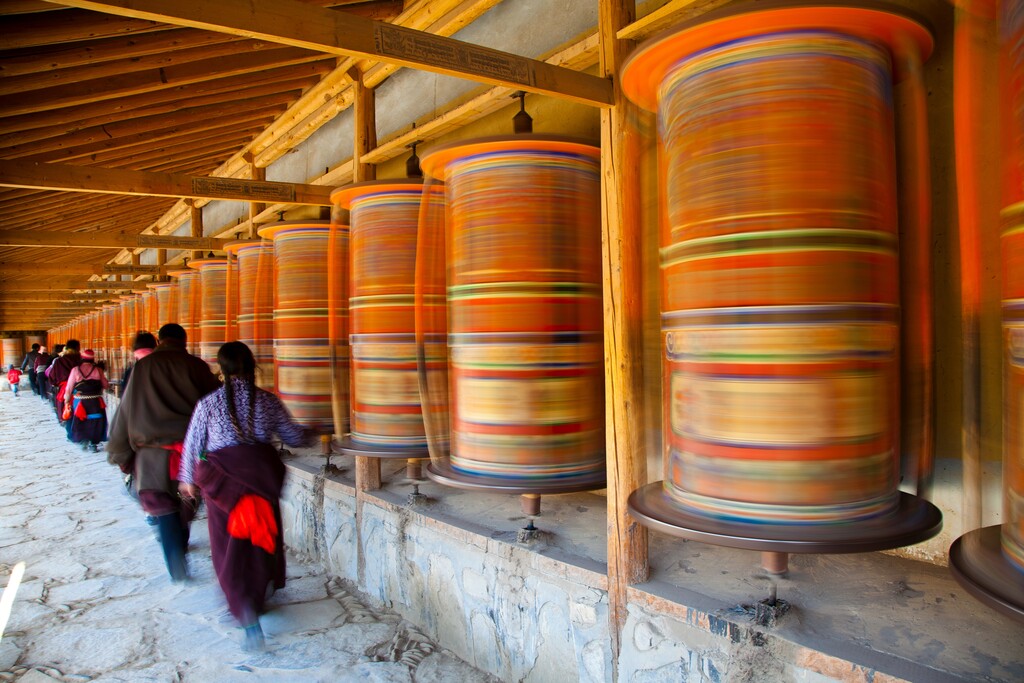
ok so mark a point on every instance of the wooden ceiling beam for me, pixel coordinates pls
(217, 91)
(208, 157)
(47, 28)
(86, 92)
(73, 285)
(9, 268)
(66, 178)
(302, 26)
(92, 52)
(70, 209)
(143, 124)
(106, 240)
(214, 140)
(56, 78)
(191, 125)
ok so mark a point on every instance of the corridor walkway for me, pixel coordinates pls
(96, 603)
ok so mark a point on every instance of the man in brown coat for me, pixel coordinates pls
(148, 430)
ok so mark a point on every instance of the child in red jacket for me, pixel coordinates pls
(14, 377)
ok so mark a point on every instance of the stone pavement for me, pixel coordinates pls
(96, 603)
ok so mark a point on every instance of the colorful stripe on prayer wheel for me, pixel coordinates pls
(302, 349)
(385, 394)
(1013, 283)
(213, 308)
(524, 309)
(190, 302)
(778, 262)
(254, 267)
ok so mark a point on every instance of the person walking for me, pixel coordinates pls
(14, 379)
(87, 424)
(42, 364)
(228, 457)
(59, 373)
(147, 432)
(28, 365)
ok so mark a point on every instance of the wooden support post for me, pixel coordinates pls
(161, 262)
(623, 308)
(196, 214)
(255, 208)
(365, 131)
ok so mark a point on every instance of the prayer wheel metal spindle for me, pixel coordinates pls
(190, 291)
(386, 417)
(525, 318)
(213, 311)
(254, 266)
(779, 279)
(989, 562)
(302, 352)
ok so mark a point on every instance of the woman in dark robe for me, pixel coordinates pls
(84, 392)
(227, 455)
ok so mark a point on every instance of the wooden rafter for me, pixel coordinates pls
(105, 240)
(293, 23)
(34, 30)
(78, 269)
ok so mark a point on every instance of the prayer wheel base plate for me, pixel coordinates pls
(914, 520)
(977, 562)
(442, 472)
(348, 447)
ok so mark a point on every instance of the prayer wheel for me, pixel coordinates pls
(150, 311)
(989, 562)
(166, 294)
(524, 312)
(254, 267)
(213, 308)
(779, 279)
(112, 338)
(190, 289)
(386, 417)
(302, 348)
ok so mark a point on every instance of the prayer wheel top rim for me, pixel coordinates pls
(159, 285)
(914, 520)
(234, 247)
(434, 163)
(272, 230)
(978, 564)
(180, 273)
(344, 196)
(200, 264)
(895, 26)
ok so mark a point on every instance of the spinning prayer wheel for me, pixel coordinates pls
(386, 417)
(190, 290)
(213, 308)
(989, 562)
(524, 314)
(254, 284)
(779, 279)
(166, 294)
(303, 353)
(112, 339)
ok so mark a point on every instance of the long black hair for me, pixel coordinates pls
(237, 362)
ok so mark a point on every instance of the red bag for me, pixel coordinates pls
(66, 413)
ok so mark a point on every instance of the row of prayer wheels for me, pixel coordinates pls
(462, 316)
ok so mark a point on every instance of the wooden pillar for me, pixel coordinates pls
(255, 208)
(623, 308)
(161, 260)
(365, 131)
(367, 469)
(197, 224)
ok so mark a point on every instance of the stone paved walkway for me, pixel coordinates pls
(96, 604)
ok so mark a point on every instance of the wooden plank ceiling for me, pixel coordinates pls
(91, 89)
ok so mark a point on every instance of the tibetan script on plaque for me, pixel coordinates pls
(119, 269)
(252, 190)
(173, 242)
(445, 53)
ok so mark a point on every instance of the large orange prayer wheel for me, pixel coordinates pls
(254, 284)
(779, 272)
(386, 416)
(213, 308)
(302, 345)
(166, 294)
(190, 302)
(524, 314)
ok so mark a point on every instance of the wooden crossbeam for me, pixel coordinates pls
(67, 178)
(300, 25)
(71, 285)
(78, 269)
(106, 240)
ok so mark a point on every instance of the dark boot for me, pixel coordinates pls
(172, 540)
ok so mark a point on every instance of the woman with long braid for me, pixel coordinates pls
(227, 455)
